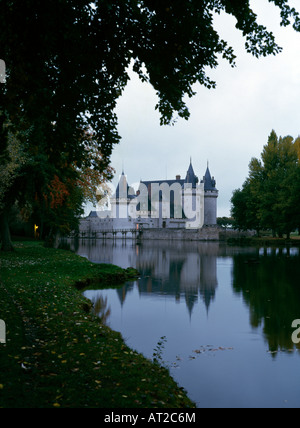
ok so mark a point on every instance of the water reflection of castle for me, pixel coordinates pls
(186, 274)
(177, 270)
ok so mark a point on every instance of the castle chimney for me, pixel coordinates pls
(178, 177)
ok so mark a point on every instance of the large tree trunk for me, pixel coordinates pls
(5, 232)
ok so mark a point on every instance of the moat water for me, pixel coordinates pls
(222, 315)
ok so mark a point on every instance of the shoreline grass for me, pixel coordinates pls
(57, 353)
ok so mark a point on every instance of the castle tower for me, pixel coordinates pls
(210, 199)
(119, 199)
(193, 200)
(120, 204)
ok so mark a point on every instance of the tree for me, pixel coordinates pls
(245, 209)
(63, 205)
(92, 174)
(270, 195)
(297, 147)
(51, 198)
(280, 165)
(67, 63)
(297, 202)
(225, 222)
(12, 163)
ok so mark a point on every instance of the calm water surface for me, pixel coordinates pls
(225, 312)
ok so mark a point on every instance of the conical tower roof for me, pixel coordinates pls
(190, 176)
(209, 182)
(124, 191)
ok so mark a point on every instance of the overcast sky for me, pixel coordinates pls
(228, 125)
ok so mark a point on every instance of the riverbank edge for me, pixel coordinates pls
(57, 352)
(264, 241)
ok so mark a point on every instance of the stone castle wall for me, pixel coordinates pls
(92, 226)
(204, 234)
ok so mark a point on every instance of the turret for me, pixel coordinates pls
(191, 178)
(210, 199)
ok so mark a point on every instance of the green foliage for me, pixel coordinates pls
(76, 66)
(269, 198)
(58, 354)
(158, 351)
(225, 222)
(12, 162)
(67, 64)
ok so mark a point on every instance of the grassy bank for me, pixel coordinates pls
(57, 353)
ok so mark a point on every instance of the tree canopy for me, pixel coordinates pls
(270, 196)
(67, 64)
(75, 54)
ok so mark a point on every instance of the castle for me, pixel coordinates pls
(182, 203)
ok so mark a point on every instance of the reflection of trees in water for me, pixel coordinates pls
(101, 309)
(269, 285)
